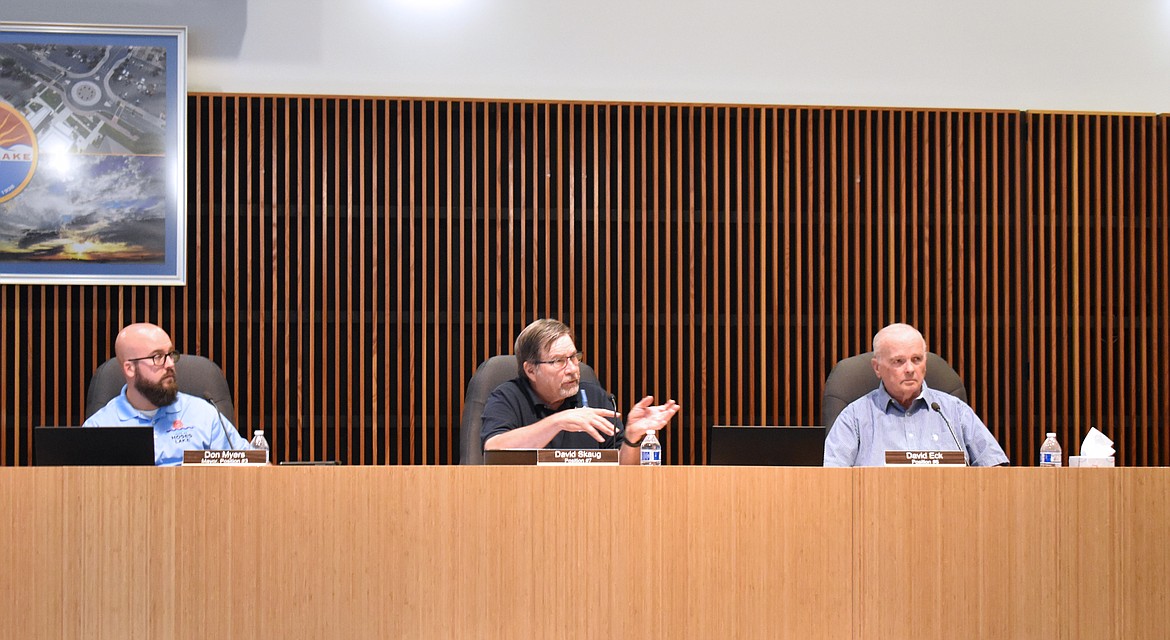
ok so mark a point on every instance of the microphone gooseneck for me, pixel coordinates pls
(222, 421)
(619, 433)
(938, 409)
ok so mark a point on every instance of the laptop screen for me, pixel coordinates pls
(93, 446)
(767, 446)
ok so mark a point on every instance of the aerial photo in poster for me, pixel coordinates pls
(92, 176)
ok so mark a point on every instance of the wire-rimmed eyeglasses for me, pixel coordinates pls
(561, 363)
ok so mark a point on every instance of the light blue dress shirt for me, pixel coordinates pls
(876, 423)
(185, 424)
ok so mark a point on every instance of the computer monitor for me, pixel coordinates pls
(767, 446)
(93, 446)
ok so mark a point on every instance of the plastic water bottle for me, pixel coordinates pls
(1050, 452)
(651, 450)
(260, 443)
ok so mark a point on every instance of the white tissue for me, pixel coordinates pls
(1096, 445)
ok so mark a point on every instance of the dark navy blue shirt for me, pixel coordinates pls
(514, 404)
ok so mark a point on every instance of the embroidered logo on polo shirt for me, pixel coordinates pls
(181, 433)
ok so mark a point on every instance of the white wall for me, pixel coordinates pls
(1069, 55)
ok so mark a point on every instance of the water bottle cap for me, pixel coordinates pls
(259, 432)
(1052, 435)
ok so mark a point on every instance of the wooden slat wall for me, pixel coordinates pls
(353, 259)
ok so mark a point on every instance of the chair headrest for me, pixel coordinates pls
(853, 377)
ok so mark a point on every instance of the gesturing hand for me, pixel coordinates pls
(646, 416)
(588, 420)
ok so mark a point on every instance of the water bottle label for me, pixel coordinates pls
(652, 456)
(1049, 458)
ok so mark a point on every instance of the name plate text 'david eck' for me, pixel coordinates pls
(931, 458)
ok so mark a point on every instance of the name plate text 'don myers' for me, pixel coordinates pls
(249, 457)
(931, 458)
(577, 456)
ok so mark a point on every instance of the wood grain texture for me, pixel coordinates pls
(573, 552)
(352, 260)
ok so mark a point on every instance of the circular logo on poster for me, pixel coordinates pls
(18, 152)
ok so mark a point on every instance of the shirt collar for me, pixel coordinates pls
(885, 400)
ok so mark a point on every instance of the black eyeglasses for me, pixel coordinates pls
(561, 363)
(158, 359)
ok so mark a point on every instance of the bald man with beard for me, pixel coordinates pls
(151, 397)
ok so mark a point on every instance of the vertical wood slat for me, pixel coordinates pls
(307, 303)
(252, 202)
(231, 327)
(368, 178)
(1134, 249)
(351, 260)
(1032, 239)
(281, 301)
(451, 400)
(1159, 307)
(392, 206)
(801, 221)
(349, 345)
(429, 211)
(1021, 252)
(342, 225)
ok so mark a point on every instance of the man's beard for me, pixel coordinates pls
(156, 393)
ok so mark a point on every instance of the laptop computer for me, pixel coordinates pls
(93, 446)
(767, 446)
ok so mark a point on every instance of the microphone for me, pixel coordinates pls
(222, 421)
(619, 433)
(935, 407)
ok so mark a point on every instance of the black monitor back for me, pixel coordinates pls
(767, 446)
(93, 446)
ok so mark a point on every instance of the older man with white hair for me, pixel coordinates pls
(899, 414)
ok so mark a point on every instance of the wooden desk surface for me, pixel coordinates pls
(499, 552)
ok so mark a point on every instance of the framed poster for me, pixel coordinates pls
(93, 169)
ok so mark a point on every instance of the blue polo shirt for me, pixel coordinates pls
(876, 423)
(188, 423)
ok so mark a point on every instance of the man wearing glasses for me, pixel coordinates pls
(151, 397)
(548, 406)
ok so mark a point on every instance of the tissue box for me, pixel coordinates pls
(1087, 461)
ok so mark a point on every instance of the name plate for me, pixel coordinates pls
(932, 458)
(249, 456)
(577, 456)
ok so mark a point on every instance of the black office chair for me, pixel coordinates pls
(853, 377)
(197, 376)
(493, 372)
